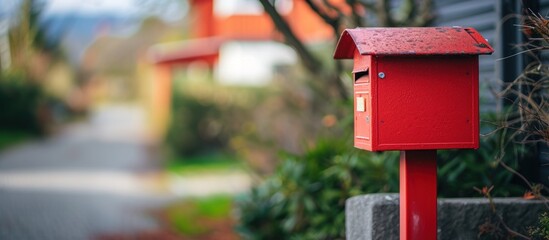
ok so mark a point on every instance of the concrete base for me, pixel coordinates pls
(376, 216)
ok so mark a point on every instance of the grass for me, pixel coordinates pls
(200, 216)
(214, 162)
(203, 218)
(9, 138)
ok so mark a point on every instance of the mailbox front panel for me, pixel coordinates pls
(363, 113)
(362, 102)
(426, 102)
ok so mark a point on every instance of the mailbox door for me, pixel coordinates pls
(363, 102)
(363, 113)
(427, 102)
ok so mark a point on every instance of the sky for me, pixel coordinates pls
(86, 16)
(168, 10)
(90, 6)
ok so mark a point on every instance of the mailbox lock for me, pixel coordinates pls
(381, 75)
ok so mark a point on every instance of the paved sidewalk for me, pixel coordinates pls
(92, 179)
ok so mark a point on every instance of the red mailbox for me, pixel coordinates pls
(414, 88)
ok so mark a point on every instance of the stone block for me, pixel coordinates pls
(376, 216)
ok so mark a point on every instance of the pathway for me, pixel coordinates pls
(95, 178)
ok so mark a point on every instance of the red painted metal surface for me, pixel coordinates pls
(421, 103)
(363, 92)
(418, 195)
(411, 41)
(427, 103)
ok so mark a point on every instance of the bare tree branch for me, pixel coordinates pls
(332, 21)
(335, 23)
(425, 15)
(312, 64)
(367, 5)
(358, 19)
(412, 14)
(309, 61)
(408, 12)
(334, 8)
(383, 10)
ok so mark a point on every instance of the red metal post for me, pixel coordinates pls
(418, 195)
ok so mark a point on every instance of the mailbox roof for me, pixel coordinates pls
(411, 41)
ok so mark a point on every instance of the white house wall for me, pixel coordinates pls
(251, 63)
(225, 8)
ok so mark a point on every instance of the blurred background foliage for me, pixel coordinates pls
(30, 106)
(27, 110)
(295, 134)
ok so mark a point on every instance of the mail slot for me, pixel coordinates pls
(414, 88)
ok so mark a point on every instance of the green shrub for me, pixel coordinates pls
(305, 197)
(190, 132)
(459, 171)
(24, 104)
(541, 231)
(205, 116)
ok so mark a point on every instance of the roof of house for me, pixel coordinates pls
(411, 41)
(185, 51)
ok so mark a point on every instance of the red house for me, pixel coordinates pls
(237, 40)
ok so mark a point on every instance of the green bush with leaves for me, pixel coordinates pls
(459, 171)
(189, 132)
(541, 231)
(24, 104)
(206, 115)
(305, 197)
